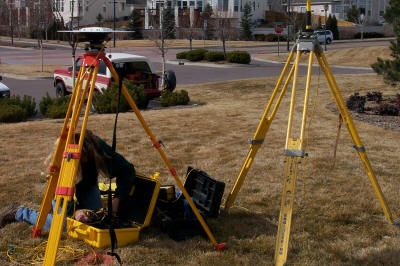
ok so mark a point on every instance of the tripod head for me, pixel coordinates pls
(96, 36)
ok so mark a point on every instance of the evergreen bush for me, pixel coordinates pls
(11, 113)
(213, 56)
(259, 37)
(369, 35)
(196, 55)
(15, 109)
(54, 107)
(272, 37)
(169, 98)
(106, 102)
(390, 68)
(240, 57)
(181, 55)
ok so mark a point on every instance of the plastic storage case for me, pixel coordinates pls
(175, 216)
(141, 207)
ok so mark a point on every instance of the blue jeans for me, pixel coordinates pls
(90, 200)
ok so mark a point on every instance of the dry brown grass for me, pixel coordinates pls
(29, 70)
(178, 43)
(337, 219)
(185, 43)
(362, 56)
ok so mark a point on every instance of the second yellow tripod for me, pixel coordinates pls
(294, 151)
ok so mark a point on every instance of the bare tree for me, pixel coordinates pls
(190, 28)
(159, 36)
(223, 28)
(361, 21)
(73, 41)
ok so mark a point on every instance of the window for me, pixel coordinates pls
(191, 3)
(381, 13)
(184, 4)
(179, 4)
(303, 9)
(78, 64)
(59, 5)
(220, 3)
(104, 9)
(102, 68)
(200, 4)
(236, 5)
(122, 6)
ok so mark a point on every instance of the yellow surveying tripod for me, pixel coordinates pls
(66, 157)
(294, 152)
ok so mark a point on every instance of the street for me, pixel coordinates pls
(186, 74)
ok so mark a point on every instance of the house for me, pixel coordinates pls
(373, 10)
(222, 8)
(88, 12)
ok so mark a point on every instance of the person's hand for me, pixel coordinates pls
(80, 215)
(115, 204)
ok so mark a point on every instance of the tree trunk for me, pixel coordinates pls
(163, 62)
(223, 45)
(73, 68)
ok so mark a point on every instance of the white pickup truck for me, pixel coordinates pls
(138, 69)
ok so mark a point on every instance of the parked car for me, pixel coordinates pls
(136, 68)
(4, 90)
(321, 36)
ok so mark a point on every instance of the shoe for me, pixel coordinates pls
(8, 216)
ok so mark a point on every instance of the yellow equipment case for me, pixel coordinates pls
(141, 208)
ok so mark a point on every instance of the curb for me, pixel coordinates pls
(13, 76)
(175, 62)
(303, 64)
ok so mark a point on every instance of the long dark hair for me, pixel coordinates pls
(92, 151)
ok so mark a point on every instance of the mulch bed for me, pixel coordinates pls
(385, 121)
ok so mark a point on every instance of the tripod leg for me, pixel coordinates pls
(261, 132)
(353, 133)
(157, 145)
(65, 186)
(293, 154)
(285, 216)
(56, 161)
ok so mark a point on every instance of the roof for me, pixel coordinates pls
(304, 2)
(115, 57)
(136, 2)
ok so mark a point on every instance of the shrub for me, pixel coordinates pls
(241, 57)
(106, 102)
(259, 37)
(356, 103)
(369, 35)
(11, 113)
(375, 96)
(388, 109)
(169, 98)
(44, 104)
(15, 110)
(181, 55)
(58, 108)
(54, 107)
(214, 56)
(196, 55)
(27, 103)
(272, 37)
